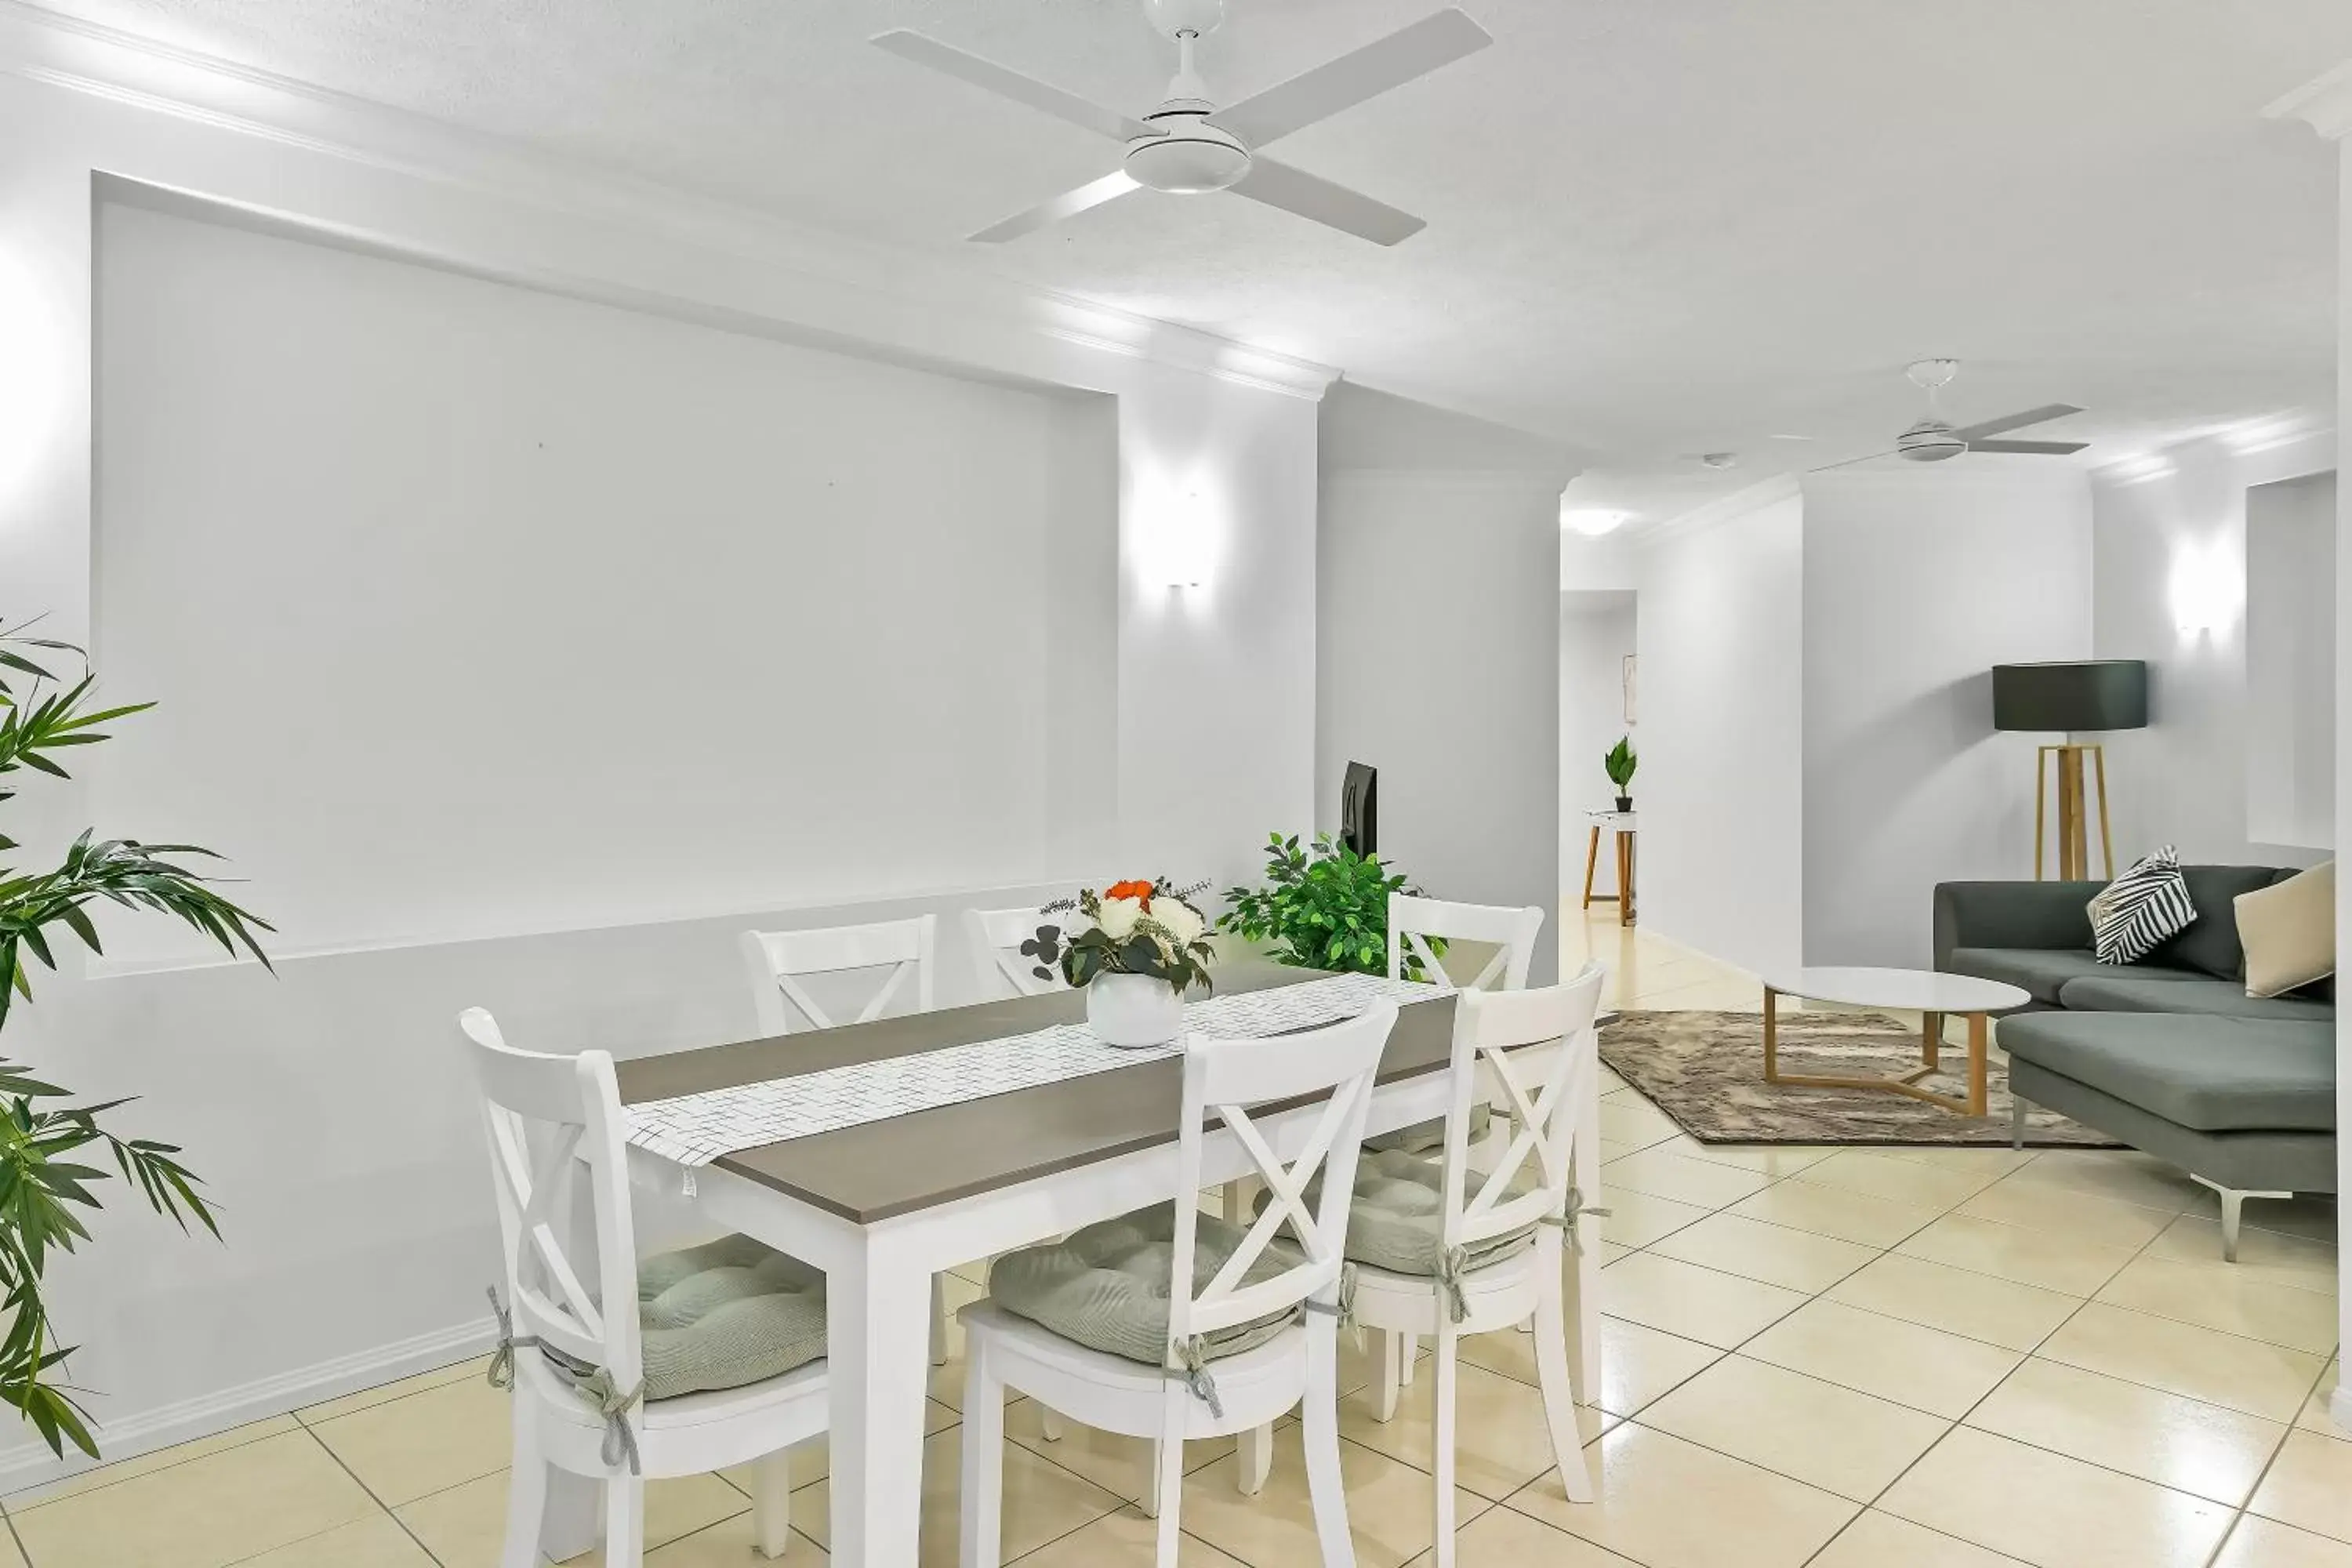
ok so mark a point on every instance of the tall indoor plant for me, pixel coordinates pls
(42, 1181)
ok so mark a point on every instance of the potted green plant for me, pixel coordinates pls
(43, 1180)
(1324, 906)
(1142, 947)
(1619, 765)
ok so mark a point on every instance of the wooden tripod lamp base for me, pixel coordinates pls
(2074, 830)
(2070, 697)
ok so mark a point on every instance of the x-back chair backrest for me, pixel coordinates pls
(1542, 1119)
(1513, 933)
(996, 936)
(556, 1135)
(1225, 1079)
(780, 960)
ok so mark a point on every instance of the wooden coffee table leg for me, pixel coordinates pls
(1977, 1030)
(1931, 1040)
(1771, 1036)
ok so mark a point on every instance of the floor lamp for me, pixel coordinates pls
(2070, 697)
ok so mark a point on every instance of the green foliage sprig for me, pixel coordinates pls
(40, 718)
(1150, 928)
(1324, 906)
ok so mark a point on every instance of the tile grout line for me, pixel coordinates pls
(2255, 1490)
(370, 1492)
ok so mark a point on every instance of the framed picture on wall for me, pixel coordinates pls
(1630, 675)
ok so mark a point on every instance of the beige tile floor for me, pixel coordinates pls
(1846, 1359)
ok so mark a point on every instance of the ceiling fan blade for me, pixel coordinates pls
(2016, 421)
(1411, 51)
(2037, 448)
(1336, 206)
(1012, 84)
(1069, 204)
(1848, 463)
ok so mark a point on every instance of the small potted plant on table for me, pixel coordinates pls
(1143, 947)
(1620, 764)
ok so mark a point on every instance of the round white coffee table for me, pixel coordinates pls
(1912, 990)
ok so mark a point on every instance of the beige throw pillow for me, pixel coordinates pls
(2288, 930)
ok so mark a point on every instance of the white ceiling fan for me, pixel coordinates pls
(1189, 145)
(1932, 440)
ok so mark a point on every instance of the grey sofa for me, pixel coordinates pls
(2169, 1055)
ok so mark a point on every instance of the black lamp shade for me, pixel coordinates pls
(2080, 694)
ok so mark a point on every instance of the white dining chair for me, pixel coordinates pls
(779, 961)
(1002, 969)
(1511, 933)
(556, 1139)
(1531, 1188)
(1187, 1395)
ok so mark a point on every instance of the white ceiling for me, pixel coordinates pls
(1657, 228)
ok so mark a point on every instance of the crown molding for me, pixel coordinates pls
(1719, 512)
(145, 75)
(2324, 103)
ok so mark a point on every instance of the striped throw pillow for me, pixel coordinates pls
(2146, 905)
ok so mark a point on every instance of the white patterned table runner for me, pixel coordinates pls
(695, 1128)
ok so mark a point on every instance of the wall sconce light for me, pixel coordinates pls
(1182, 547)
(2207, 589)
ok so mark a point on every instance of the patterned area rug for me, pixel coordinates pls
(1706, 1071)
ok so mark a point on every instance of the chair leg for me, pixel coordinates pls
(939, 1320)
(771, 1503)
(1441, 1440)
(1318, 1418)
(625, 1520)
(526, 1493)
(1384, 1403)
(1146, 1497)
(1254, 1460)
(1408, 1357)
(1552, 1369)
(1168, 1473)
(1049, 1425)
(980, 1539)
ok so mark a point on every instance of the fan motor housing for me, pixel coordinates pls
(1189, 156)
(1929, 441)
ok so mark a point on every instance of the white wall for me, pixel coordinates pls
(2169, 535)
(333, 1091)
(1721, 790)
(1597, 631)
(1438, 648)
(2291, 661)
(471, 609)
(1916, 584)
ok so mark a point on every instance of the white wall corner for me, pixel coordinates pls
(2324, 103)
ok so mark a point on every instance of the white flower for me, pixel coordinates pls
(1182, 920)
(1119, 917)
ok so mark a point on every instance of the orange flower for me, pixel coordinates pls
(1140, 891)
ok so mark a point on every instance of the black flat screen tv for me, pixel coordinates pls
(1360, 808)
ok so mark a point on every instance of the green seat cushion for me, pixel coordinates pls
(725, 1314)
(2209, 942)
(2212, 1074)
(1107, 1286)
(2039, 972)
(1429, 1137)
(2126, 990)
(1397, 1221)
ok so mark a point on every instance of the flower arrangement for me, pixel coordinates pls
(1136, 927)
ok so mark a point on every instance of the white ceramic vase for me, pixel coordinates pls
(1131, 1011)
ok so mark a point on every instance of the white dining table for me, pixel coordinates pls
(884, 1206)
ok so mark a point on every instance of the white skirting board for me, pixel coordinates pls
(31, 1465)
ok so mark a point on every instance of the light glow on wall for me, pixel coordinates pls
(2207, 589)
(34, 389)
(1180, 526)
(1592, 521)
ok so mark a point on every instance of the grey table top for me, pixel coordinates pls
(881, 1169)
